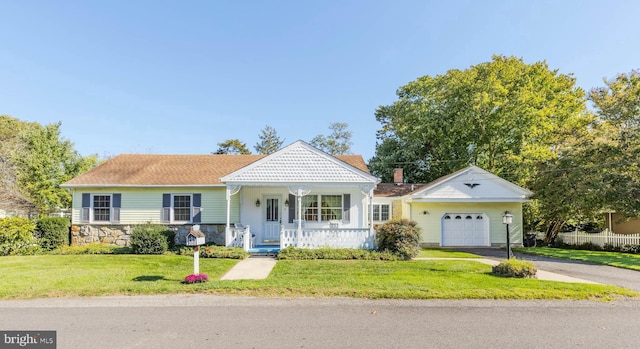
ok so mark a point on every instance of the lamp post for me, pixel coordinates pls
(507, 219)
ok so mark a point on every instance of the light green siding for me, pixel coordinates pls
(142, 205)
(431, 222)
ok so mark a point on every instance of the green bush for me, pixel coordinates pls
(400, 237)
(222, 252)
(53, 232)
(292, 253)
(150, 239)
(515, 268)
(628, 248)
(16, 236)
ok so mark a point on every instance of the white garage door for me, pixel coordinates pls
(464, 229)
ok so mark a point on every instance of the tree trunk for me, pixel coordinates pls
(552, 231)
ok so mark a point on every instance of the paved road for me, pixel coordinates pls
(594, 272)
(198, 321)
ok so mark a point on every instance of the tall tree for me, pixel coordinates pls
(46, 161)
(504, 116)
(232, 146)
(338, 142)
(600, 170)
(269, 141)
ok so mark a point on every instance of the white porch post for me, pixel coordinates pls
(371, 213)
(299, 233)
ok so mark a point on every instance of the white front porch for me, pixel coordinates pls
(306, 238)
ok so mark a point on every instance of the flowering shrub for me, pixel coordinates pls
(194, 278)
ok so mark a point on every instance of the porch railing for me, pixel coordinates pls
(239, 237)
(323, 237)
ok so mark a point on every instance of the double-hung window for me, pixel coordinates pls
(381, 212)
(330, 208)
(181, 208)
(101, 207)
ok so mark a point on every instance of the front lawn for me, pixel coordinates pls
(98, 275)
(616, 259)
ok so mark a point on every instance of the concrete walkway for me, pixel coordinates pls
(252, 268)
(540, 275)
(258, 268)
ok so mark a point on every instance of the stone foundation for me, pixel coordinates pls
(120, 235)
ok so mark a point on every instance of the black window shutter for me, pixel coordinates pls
(292, 208)
(197, 207)
(117, 204)
(86, 206)
(346, 208)
(166, 208)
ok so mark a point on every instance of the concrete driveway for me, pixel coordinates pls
(594, 272)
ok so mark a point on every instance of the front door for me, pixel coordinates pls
(271, 234)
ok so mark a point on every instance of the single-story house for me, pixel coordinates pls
(465, 208)
(298, 196)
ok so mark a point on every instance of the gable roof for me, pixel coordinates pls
(471, 184)
(153, 170)
(302, 163)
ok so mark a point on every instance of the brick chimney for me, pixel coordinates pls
(397, 176)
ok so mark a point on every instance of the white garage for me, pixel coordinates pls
(465, 229)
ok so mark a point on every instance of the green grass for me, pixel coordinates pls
(444, 253)
(98, 275)
(616, 259)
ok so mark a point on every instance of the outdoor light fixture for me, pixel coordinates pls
(286, 203)
(258, 203)
(507, 219)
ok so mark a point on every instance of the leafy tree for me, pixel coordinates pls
(46, 161)
(337, 143)
(10, 145)
(232, 146)
(504, 116)
(600, 170)
(269, 141)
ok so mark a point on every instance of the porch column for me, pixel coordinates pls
(371, 213)
(299, 207)
(231, 190)
(227, 230)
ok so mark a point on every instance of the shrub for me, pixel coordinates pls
(610, 248)
(630, 248)
(222, 252)
(400, 237)
(149, 239)
(53, 232)
(16, 235)
(515, 268)
(292, 253)
(196, 278)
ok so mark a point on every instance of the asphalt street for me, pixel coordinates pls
(198, 321)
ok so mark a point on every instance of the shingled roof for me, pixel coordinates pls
(136, 170)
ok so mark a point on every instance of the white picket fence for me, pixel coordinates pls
(602, 238)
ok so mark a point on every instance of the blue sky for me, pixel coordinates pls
(181, 76)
